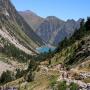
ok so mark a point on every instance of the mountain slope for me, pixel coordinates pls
(51, 29)
(67, 30)
(31, 18)
(14, 29)
(55, 30)
(71, 53)
(75, 50)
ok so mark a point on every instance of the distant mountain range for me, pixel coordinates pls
(51, 29)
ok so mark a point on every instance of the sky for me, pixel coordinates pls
(63, 9)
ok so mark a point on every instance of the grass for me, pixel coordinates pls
(87, 80)
(3, 57)
(62, 55)
(41, 82)
(22, 36)
(19, 34)
(52, 80)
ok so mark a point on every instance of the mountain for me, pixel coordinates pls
(31, 18)
(75, 51)
(18, 42)
(15, 30)
(54, 30)
(68, 67)
(51, 29)
(66, 30)
(45, 71)
(70, 63)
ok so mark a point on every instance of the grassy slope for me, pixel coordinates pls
(42, 81)
(15, 30)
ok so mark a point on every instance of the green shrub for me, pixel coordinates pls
(32, 65)
(20, 73)
(53, 80)
(62, 85)
(74, 86)
(30, 76)
(6, 77)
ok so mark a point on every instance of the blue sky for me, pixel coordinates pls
(64, 9)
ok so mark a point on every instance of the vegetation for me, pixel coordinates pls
(70, 58)
(87, 24)
(62, 85)
(43, 56)
(6, 77)
(20, 73)
(76, 36)
(30, 76)
(32, 65)
(53, 80)
(11, 51)
(74, 86)
(87, 80)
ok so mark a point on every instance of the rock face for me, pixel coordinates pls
(51, 29)
(31, 18)
(66, 30)
(14, 28)
(54, 30)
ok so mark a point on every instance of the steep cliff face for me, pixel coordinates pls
(66, 30)
(54, 30)
(49, 28)
(16, 30)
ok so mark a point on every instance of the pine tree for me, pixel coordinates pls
(87, 24)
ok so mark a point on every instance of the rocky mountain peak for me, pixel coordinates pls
(28, 12)
(51, 29)
(53, 18)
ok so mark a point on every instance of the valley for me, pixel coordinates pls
(39, 53)
(48, 78)
(51, 29)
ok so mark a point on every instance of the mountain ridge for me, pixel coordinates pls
(51, 28)
(31, 18)
(17, 30)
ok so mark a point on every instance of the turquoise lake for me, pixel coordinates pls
(45, 49)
